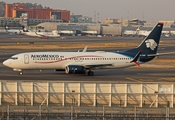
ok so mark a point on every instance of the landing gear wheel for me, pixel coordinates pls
(20, 73)
(90, 73)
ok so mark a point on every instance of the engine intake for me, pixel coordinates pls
(75, 69)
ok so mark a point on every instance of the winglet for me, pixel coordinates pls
(161, 23)
(85, 49)
(135, 59)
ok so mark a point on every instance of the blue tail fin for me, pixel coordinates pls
(151, 42)
(149, 45)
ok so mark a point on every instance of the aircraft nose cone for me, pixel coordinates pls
(6, 63)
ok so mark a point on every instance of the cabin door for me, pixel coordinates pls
(26, 59)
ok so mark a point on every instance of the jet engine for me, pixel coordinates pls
(75, 69)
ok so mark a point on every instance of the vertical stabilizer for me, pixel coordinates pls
(150, 44)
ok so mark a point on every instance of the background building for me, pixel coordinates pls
(123, 22)
(80, 19)
(99, 29)
(15, 22)
(15, 11)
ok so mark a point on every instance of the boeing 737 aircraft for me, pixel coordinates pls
(85, 62)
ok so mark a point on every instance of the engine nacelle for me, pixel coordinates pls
(75, 69)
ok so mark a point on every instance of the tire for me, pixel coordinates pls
(90, 73)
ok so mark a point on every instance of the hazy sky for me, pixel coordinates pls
(149, 10)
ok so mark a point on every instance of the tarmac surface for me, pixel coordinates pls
(159, 70)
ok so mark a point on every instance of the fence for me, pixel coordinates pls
(87, 94)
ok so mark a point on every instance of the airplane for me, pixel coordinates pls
(137, 32)
(14, 31)
(143, 33)
(86, 62)
(41, 34)
(130, 33)
(47, 35)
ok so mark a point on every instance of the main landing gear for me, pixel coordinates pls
(21, 73)
(90, 73)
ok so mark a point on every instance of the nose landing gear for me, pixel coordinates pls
(90, 73)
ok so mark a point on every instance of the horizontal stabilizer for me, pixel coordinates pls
(159, 54)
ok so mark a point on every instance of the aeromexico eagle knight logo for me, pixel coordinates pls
(150, 43)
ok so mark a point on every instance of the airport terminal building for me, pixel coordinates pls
(103, 29)
(99, 29)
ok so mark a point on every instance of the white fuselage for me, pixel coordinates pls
(14, 31)
(31, 33)
(41, 34)
(59, 60)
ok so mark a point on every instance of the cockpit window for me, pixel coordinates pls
(14, 58)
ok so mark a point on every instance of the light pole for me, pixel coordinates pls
(24, 106)
(73, 102)
(73, 99)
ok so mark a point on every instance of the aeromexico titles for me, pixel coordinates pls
(85, 62)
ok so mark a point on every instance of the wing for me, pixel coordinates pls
(42, 35)
(94, 65)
